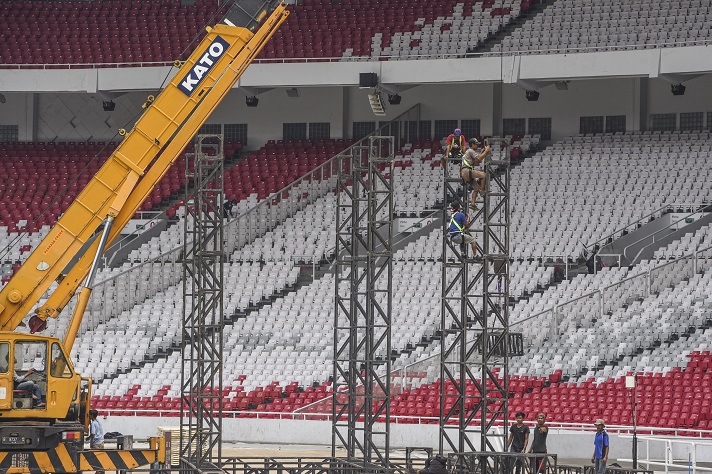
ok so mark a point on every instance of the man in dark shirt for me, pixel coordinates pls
(227, 208)
(518, 440)
(539, 444)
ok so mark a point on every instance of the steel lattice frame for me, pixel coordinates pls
(203, 319)
(475, 303)
(362, 321)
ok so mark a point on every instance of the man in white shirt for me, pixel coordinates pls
(96, 433)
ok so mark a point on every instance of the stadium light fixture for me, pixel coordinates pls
(394, 99)
(109, 105)
(251, 100)
(532, 96)
(293, 93)
(677, 89)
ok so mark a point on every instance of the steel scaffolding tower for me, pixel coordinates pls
(203, 322)
(476, 343)
(362, 320)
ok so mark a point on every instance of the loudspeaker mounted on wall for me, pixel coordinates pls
(367, 80)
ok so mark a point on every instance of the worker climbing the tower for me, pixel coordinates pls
(457, 229)
(468, 169)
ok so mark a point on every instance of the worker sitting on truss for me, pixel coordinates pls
(454, 148)
(470, 160)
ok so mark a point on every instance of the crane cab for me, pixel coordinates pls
(37, 379)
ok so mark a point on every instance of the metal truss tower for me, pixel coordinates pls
(362, 320)
(476, 343)
(203, 321)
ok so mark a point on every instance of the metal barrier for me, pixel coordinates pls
(502, 463)
(623, 292)
(669, 446)
(703, 260)
(607, 259)
(623, 470)
(566, 469)
(631, 226)
(662, 276)
(272, 210)
(584, 308)
(660, 234)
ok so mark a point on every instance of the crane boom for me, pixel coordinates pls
(49, 436)
(140, 161)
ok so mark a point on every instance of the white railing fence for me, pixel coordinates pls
(609, 298)
(678, 454)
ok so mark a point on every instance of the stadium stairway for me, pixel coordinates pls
(642, 246)
(491, 44)
(303, 280)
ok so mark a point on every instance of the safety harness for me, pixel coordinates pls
(459, 227)
(461, 145)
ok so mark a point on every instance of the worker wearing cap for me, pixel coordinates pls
(459, 223)
(600, 448)
(468, 172)
(456, 145)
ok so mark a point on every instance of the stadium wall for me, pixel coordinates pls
(570, 443)
(80, 116)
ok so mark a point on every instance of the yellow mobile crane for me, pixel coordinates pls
(49, 437)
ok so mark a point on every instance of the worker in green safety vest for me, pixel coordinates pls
(457, 230)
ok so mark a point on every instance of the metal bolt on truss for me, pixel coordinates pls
(476, 343)
(362, 320)
(203, 319)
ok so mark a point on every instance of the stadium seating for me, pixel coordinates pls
(358, 29)
(113, 31)
(125, 32)
(45, 178)
(275, 369)
(607, 24)
(564, 202)
(688, 244)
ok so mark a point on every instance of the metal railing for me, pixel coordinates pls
(599, 258)
(124, 290)
(669, 447)
(631, 226)
(654, 234)
(266, 214)
(613, 296)
(337, 59)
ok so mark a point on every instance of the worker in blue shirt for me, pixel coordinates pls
(600, 448)
(457, 230)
